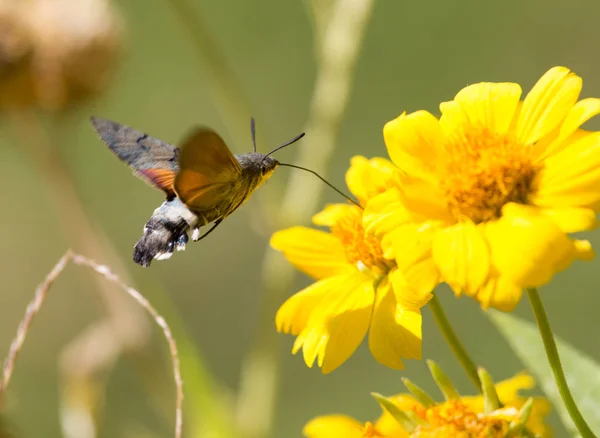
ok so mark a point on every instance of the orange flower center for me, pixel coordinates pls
(361, 250)
(454, 419)
(485, 171)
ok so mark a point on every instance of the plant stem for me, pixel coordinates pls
(338, 51)
(554, 360)
(452, 339)
(231, 101)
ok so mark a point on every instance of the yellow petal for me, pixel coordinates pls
(317, 253)
(424, 200)
(571, 178)
(500, 293)
(547, 104)
(367, 178)
(294, 314)
(414, 143)
(537, 423)
(413, 242)
(581, 112)
(413, 292)
(528, 247)
(583, 250)
(462, 256)
(491, 105)
(573, 220)
(395, 332)
(508, 390)
(417, 202)
(331, 214)
(508, 393)
(333, 426)
(417, 273)
(338, 324)
(453, 117)
(385, 212)
(516, 117)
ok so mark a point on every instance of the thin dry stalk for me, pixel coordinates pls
(105, 272)
(32, 309)
(40, 295)
(125, 328)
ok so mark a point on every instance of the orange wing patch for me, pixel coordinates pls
(208, 170)
(162, 178)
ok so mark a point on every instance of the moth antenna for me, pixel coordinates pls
(322, 179)
(253, 131)
(287, 143)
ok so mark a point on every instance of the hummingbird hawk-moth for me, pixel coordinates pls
(203, 182)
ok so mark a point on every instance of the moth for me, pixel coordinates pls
(202, 180)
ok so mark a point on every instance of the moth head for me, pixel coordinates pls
(267, 166)
(266, 163)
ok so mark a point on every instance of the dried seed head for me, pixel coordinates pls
(61, 51)
(14, 44)
(15, 54)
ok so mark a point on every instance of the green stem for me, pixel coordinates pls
(554, 361)
(230, 99)
(455, 345)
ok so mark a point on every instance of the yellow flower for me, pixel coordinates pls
(357, 289)
(490, 191)
(450, 419)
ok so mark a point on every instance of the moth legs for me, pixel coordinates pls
(196, 233)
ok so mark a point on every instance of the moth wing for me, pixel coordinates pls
(152, 160)
(208, 170)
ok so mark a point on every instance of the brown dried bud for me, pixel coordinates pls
(56, 53)
(14, 44)
(15, 51)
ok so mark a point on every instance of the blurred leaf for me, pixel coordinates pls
(5, 429)
(582, 373)
(207, 414)
(206, 409)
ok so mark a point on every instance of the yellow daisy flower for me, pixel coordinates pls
(490, 191)
(357, 289)
(450, 419)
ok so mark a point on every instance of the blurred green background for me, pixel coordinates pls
(415, 55)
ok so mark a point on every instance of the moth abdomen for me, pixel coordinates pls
(166, 231)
